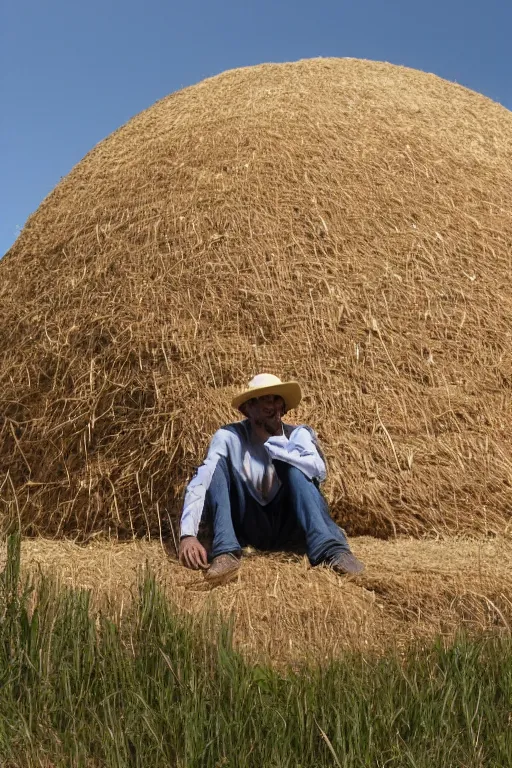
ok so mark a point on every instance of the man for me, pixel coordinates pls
(259, 483)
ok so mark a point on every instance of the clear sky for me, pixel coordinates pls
(74, 70)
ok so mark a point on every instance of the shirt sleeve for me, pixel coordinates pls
(301, 450)
(195, 493)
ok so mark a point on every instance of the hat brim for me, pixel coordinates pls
(288, 390)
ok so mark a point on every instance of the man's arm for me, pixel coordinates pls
(301, 450)
(196, 490)
(192, 554)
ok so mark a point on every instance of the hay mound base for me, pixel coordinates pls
(286, 612)
(342, 222)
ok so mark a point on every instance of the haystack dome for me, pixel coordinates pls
(344, 223)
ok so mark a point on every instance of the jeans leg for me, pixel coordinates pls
(219, 500)
(324, 539)
(236, 517)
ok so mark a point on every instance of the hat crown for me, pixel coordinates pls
(264, 380)
(268, 384)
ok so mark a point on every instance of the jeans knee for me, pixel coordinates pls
(290, 474)
(220, 476)
(296, 476)
(222, 466)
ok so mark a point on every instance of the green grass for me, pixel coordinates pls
(80, 690)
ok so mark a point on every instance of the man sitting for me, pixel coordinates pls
(259, 484)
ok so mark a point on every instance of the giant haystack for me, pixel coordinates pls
(343, 222)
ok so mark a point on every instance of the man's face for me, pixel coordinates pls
(266, 412)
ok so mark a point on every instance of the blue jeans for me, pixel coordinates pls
(299, 508)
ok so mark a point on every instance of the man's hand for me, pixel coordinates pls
(192, 554)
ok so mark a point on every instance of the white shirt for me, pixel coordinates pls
(253, 461)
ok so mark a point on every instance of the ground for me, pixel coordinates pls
(287, 612)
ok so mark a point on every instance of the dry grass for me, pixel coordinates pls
(287, 612)
(347, 223)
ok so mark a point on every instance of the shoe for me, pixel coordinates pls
(347, 563)
(223, 569)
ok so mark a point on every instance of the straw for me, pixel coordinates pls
(340, 222)
(287, 612)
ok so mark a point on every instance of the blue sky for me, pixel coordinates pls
(71, 72)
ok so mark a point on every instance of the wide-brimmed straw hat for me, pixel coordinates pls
(268, 384)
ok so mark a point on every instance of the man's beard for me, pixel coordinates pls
(272, 426)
